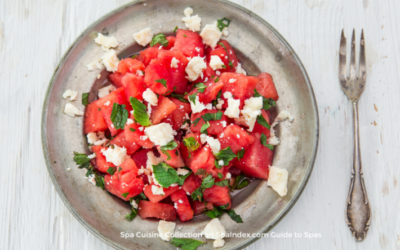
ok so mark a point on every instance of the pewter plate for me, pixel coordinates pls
(259, 47)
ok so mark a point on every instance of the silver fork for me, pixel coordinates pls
(358, 211)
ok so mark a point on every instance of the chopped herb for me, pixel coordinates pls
(170, 146)
(196, 121)
(119, 169)
(223, 66)
(99, 180)
(132, 129)
(80, 159)
(176, 28)
(219, 211)
(111, 170)
(234, 216)
(162, 81)
(85, 99)
(215, 213)
(176, 153)
(119, 115)
(216, 79)
(125, 195)
(261, 120)
(131, 215)
(186, 244)
(207, 182)
(200, 87)
(183, 177)
(99, 109)
(191, 143)
(240, 182)
(184, 35)
(204, 128)
(231, 64)
(212, 116)
(225, 155)
(267, 103)
(179, 97)
(197, 195)
(215, 102)
(192, 98)
(243, 184)
(140, 112)
(160, 39)
(224, 183)
(220, 176)
(134, 56)
(223, 45)
(165, 174)
(222, 23)
(216, 163)
(240, 154)
(263, 140)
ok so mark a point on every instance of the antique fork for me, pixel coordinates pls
(358, 211)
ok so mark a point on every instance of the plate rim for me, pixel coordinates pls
(294, 56)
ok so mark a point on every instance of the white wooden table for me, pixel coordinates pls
(35, 34)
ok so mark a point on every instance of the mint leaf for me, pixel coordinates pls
(267, 103)
(119, 115)
(81, 158)
(140, 112)
(111, 170)
(169, 146)
(176, 28)
(132, 129)
(231, 64)
(204, 128)
(216, 79)
(131, 215)
(200, 87)
(224, 183)
(263, 140)
(207, 182)
(192, 98)
(226, 155)
(215, 213)
(99, 181)
(240, 154)
(179, 97)
(134, 56)
(212, 116)
(196, 121)
(190, 143)
(197, 195)
(222, 23)
(215, 102)
(234, 216)
(162, 81)
(240, 182)
(159, 38)
(261, 120)
(125, 195)
(85, 99)
(243, 184)
(186, 244)
(165, 174)
(220, 176)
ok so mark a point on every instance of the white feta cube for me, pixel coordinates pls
(110, 60)
(240, 70)
(216, 63)
(150, 97)
(166, 229)
(233, 108)
(214, 230)
(105, 91)
(71, 94)
(115, 155)
(106, 42)
(203, 138)
(192, 23)
(211, 35)
(214, 144)
(160, 134)
(218, 243)
(143, 37)
(156, 190)
(197, 107)
(174, 63)
(72, 111)
(278, 179)
(195, 67)
(182, 171)
(96, 64)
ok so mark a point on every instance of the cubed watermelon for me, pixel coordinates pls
(160, 211)
(241, 86)
(164, 107)
(189, 42)
(211, 91)
(178, 116)
(204, 159)
(178, 82)
(191, 183)
(216, 127)
(134, 133)
(231, 54)
(94, 120)
(266, 86)
(115, 79)
(200, 207)
(101, 163)
(172, 157)
(261, 129)
(235, 137)
(134, 86)
(186, 154)
(129, 65)
(157, 77)
(171, 42)
(219, 196)
(147, 55)
(155, 197)
(129, 184)
(121, 141)
(182, 205)
(110, 181)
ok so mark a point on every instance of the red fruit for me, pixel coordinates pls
(204, 159)
(178, 116)
(200, 207)
(134, 86)
(155, 197)
(219, 196)
(266, 86)
(94, 120)
(221, 53)
(158, 72)
(171, 42)
(110, 185)
(129, 185)
(133, 135)
(148, 54)
(115, 78)
(216, 127)
(178, 82)
(187, 154)
(172, 157)
(121, 141)
(187, 41)
(101, 164)
(162, 110)
(182, 205)
(160, 211)
(256, 160)
(231, 53)
(106, 104)
(235, 137)
(129, 65)
(191, 183)
(140, 157)
(261, 129)
(242, 88)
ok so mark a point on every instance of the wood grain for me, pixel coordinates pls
(35, 34)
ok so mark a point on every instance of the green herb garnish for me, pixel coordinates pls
(159, 38)
(140, 112)
(85, 99)
(222, 23)
(119, 115)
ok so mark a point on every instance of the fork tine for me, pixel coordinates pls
(342, 57)
(363, 70)
(353, 73)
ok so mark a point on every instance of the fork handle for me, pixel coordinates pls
(358, 211)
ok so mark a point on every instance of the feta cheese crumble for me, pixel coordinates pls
(160, 134)
(214, 144)
(198, 107)
(251, 110)
(210, 35)
(203, 138)
(192, 23)
(166, 229)
(96, 64)
(219, 104)
(72, 111)
(156, 190)
(214, 230)
(71, 94)
(110, 60)
(182, 171)
(106, 42)
(195, 67)
(150, 97)
(143, 37)
(216, 63)
(105, 91)
(174, 63)
(228, 176)
(115, 155)
(232, 80)
(218, 243)
(277, 179)
(240, 70)
(233, 106)
(282, 116)
(92, 179)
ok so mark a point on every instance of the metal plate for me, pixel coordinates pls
(259, 47)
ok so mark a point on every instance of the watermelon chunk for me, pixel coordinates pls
(231, 54)
(160, 211)
(204, 159)
(110, 185)
(219, 196)
(157, 72)
(129, 65)
(171, 42)
(172, 157)
(162, 110)
(178, 82)
(200, 207)
(129, 184)
(221, 53)
(147, 55)
(186, 155)
(256, 160)
(261, 129)
(266, 86)
(94, 120)
(134, 133)
(155, 197)
(178, 116)
(134, 86)
(216, 127)
(191, 183)
(187, 41)
(235, 137)
(121, 141)
(211, 91)
(140, 157)
(101, 163)
(182, 205)
(115, 79)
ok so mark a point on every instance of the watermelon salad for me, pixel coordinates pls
(180, 126)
